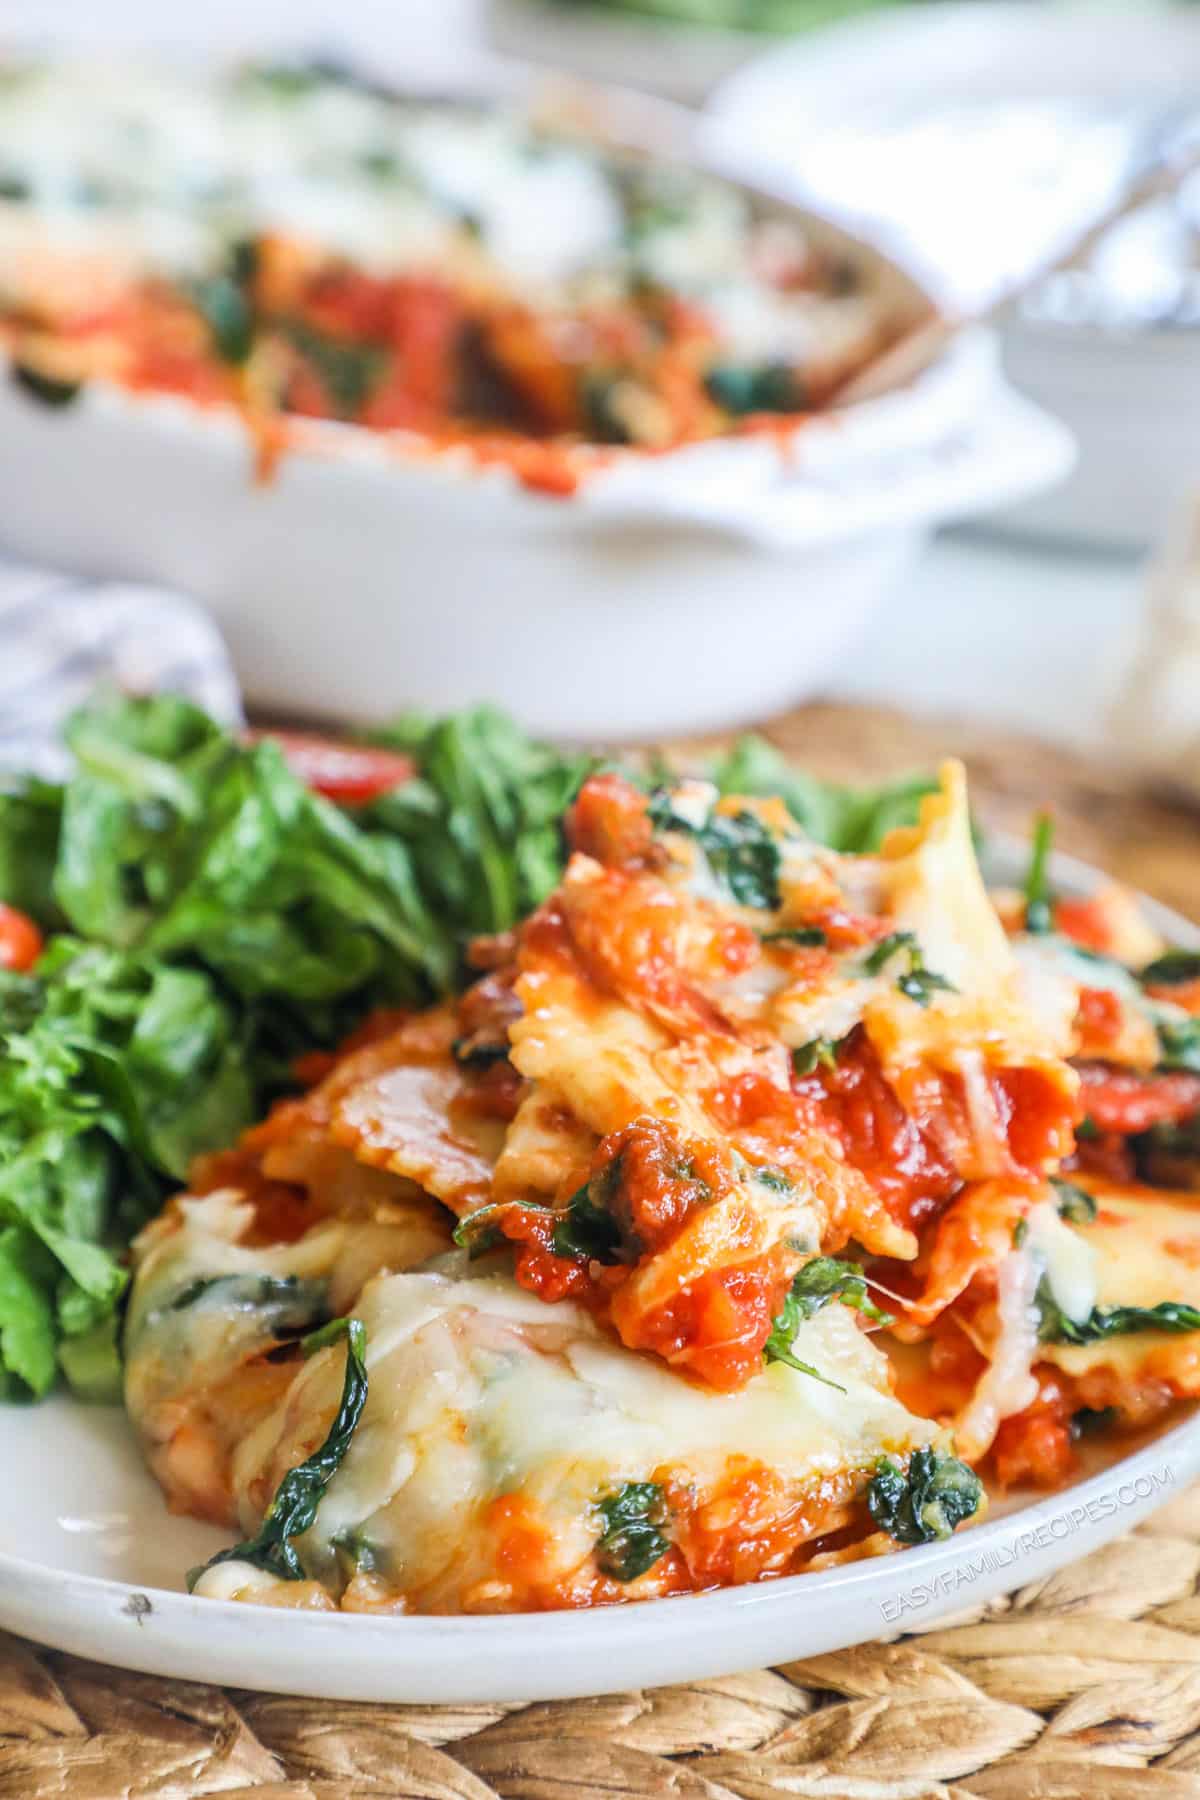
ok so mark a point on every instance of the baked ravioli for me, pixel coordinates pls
(750, 1208)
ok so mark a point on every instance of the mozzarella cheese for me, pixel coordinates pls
(1066, 1258)
(1144, 1247)
(480, 1397)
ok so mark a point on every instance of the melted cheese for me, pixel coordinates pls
(935, 890)
(1053, 971)
(196, 1314)
(1007, 1385)
(1067, 1259)
(478, 1393)
(1145, 1249)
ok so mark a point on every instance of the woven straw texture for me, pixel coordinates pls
(1085, 1684)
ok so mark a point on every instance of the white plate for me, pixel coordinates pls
(91, 1562)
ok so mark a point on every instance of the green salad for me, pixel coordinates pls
(208, 917)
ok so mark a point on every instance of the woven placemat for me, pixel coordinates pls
(1084, 1684)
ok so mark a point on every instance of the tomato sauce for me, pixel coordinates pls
(716, 1326)
(1126, 1102)
(1085, 922)
(1099, 1020)
(900, 1160)
(759, 1525)
(610, 822)
(1037, 1446)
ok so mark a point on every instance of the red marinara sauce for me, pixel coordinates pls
(1125, 1102)
(900, 1160)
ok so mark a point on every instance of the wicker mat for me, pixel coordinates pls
(1085, 1684)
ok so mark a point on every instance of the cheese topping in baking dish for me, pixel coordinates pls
(296, 242)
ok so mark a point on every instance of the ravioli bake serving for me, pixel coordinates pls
(755, 1207)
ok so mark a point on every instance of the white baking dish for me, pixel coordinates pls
(668, 593)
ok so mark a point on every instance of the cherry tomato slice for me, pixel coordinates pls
(351, 774)
(20, 939)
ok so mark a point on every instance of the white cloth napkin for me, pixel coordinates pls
(63, 636)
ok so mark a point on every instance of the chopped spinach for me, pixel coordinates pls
(294, 1509)
(632, 1540)
(741, 852)
(823, 1279)
(853, 820)
(1074, 1203)
(916, 981)
(48, 390)
(348, 372)
(331, 1332)
(587, 1228)
(1168, 1155)
(808, 936)
(937, 1493)
(1109, 1321)
(1172, 969)
(223, 304)
(356, 1554)
(603, 398)
(1091, 1419)
(1179, 1043)
(479, 1231)
(285, 1301)
(1039, 901)
(475, 1055)
(820, 1052)
(773, 387)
